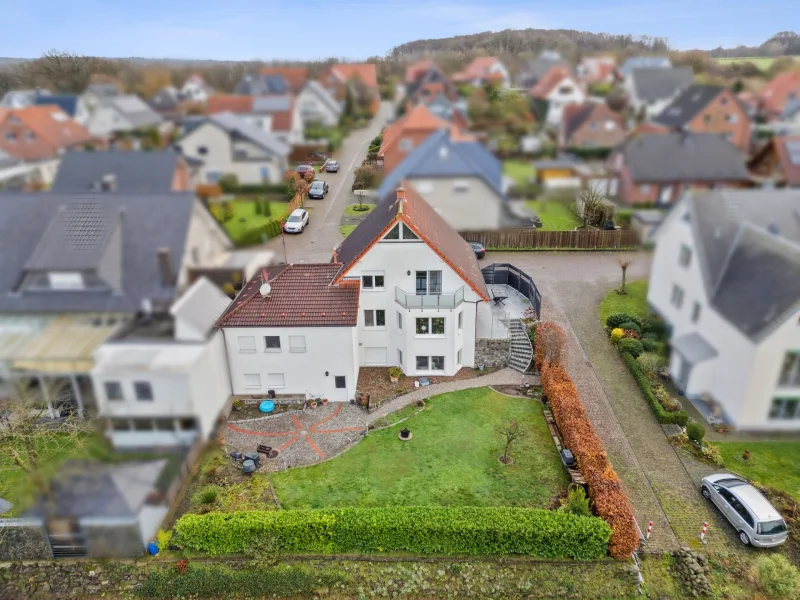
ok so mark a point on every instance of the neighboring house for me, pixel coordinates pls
(167, 102)
(778, 162)
(444, 108)
(77, 268)
(98, 93)
(261, 85)
(726, 278)
(121, 114)
(558, 89)
(658, 167)
(791, 114)
(16, 174)
(650, 90)
(295, 77)
(405, 134)
(124, 172)
(778, 92)
(461, 180)
(591, 125)
(276, 115)
(709, 109)
(164, 381)
(483, 70)
(429, 83)
(196, 90)
(317, 105)
(226, 143)
(39, 133)
(644, 62)
(339, 77)
(22, 98)
(535, 70)
(74, 106)
(567, 172)
(596, 70)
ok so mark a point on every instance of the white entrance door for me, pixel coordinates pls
(375, 357)
(340, 389)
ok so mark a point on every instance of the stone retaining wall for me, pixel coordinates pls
(23, 539)
(492, 353)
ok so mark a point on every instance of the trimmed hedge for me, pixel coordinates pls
(630, 346)
(663, 416)
(250, 189)
(617, 319)
(420, 529)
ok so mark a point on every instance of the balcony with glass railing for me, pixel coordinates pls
(423, 301)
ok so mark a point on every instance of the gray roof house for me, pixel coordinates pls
(531, 73)
(261, 85)
(22, 98)
(652, 89)
(122, 113)
(734, 331)
(318, 105)
(166, 101)
(644, 62)
(461, 180)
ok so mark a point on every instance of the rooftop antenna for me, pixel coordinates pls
(265, 288)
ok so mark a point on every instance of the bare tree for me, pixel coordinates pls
(512, 433)
(624, 262)
(595, 207)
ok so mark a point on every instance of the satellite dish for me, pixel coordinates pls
(265, 289)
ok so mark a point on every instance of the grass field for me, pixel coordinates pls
(774, 464)
(555, 216)
(761, 62)
(346, 230)
(452, 460)
(245, 217)
(352, 211)
(521, 171)
(633, 303)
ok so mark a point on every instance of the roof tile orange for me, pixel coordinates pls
(364, 71)
(296, 77)
(229, 103)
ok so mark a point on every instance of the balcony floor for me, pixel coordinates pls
(491, 315)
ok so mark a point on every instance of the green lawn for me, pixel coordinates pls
(774, 464)
(245, 217)
(346, 230)
(521, 171)
(633, 303)
(759, 61)
(555, 216)
(452, 460)
(352, 212)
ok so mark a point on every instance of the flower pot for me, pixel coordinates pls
(324, 402)
(312, 404)
(394, 379)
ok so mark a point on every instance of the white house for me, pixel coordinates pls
(280, 116)
(122, 113)
(726, 278)
(651, 90)
(318, 105)
(402, 290)
(559, 88)
(484, 69)
(21, 98)
(196, 90)
(226, 143)
(163, 382)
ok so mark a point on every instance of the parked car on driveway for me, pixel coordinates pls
(332, 166)
(303, 169)
(296, 222)
(318, 190)
(757, 522)
(478, 248)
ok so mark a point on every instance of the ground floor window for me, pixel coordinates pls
(153, 424)
(785, 408)
(430, 363)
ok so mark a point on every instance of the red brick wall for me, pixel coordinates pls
(713, 119)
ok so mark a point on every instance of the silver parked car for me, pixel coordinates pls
(756, 520)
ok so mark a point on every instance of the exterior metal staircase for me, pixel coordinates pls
(521, 347)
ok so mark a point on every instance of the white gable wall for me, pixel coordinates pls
(106, 120)
(312, 109)
(466, 203)
(557, 101)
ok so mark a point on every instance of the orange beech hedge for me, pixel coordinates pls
(605, 488)
(550, 345)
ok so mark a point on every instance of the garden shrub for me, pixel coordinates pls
(616, 334)
(617, 319)
(416, 529)
(651, 364)
(551, 344)
(631, 346)
(269, 229)
(777, 576)
(631, 326)
(205, 496)
(577, 503)
(652, 346)
(663, 416)
(605, 488)
(655, 325)
(650, 335)
(696, 432)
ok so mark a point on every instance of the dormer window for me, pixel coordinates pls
(60, 280)
(405, 145)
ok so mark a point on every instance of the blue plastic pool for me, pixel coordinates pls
(267, 406)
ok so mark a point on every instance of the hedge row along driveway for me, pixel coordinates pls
(419, 530)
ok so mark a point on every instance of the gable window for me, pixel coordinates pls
(677, 296)
(785, 408)
(564, 90)
(461, 185)
(374, 318)
(252, 381)
(685, 256)
(401, 232)
(707, 118)
(297, 343)
(11, 136)
(430, 326)
(29, 136)
(113, 390)
(247, 344)
(202, 150)
(405, 145)
(732, 118)
(428, 283)
(790, 371)
(423, 186)
(372, 282)
(143, 390)
(275, 380)
(695, 312)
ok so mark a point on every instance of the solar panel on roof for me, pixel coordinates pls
(793, 148)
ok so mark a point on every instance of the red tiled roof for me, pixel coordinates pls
(296, 77)
(51, 125)
(477, 69)
(301, 295)
(552, 78)
(417, 69)
(229, 103)
(775, 94)
(791, 171)
(364, 71)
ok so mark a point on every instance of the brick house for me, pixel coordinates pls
(295, 77)
(39, 132)
(774, 96)
(429, 83)
(338, 77)
(483, 70)
(590, 125)
(709, 109)
(656, 168)
(778, 162)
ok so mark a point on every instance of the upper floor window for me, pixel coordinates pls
(428, 283)
(143, 390)
(297, 343)
(644, 188)
(113, 390)
(430, 326)
(790, 371)
(565, 89)
(401, 232)
(732, 118)
(374, 318)
(247, 343)
(11, 136)
(685, 256)
(66, 281)
(272, 343)
(405, 145)
(696, 312)
(202, 150)
(460, 185)
(677, 296)
(372, 282)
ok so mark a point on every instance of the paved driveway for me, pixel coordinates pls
(316, 243)
(661, 490)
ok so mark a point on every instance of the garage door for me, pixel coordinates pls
(375, 356)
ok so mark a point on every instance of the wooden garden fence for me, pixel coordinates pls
(581, 239)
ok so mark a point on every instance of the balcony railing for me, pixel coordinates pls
(423, 301)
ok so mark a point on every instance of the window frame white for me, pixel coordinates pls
(297, 347)
(273, 386)
(373, 312)
(677, 296)
(254, 384)
(429, 327)
(241, 346)
(267, 347)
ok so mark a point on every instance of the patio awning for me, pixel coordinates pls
(60, 345)
(694, 348)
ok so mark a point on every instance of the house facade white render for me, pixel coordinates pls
(466, 203)
(312, 108)
(195, 90)
(568, 91)
(307, 361)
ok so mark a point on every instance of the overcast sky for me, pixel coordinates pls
(312, 29)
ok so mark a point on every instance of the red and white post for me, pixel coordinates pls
(703, 533)
(649, 530)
